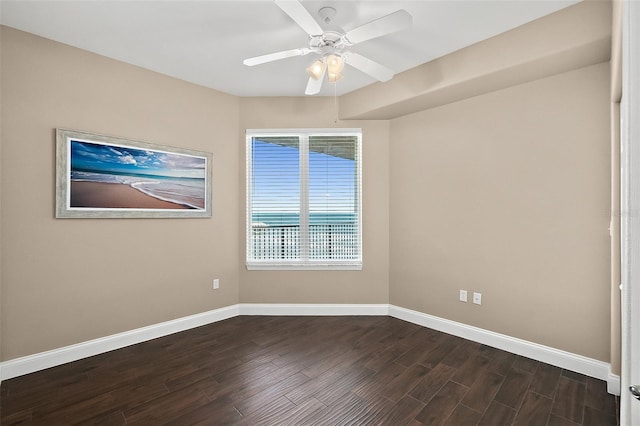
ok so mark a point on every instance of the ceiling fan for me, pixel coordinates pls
(332, 46)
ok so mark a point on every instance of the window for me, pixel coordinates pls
(303, 199)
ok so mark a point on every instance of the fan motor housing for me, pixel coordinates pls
(327, 43)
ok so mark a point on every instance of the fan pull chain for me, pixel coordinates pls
(335, 101)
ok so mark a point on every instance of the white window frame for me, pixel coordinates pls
(304, 263)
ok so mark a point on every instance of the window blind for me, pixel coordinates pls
(303, 199)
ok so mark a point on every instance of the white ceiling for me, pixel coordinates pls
(204, 42)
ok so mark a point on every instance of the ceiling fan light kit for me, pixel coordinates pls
(335, 65)
(316, 70)
(330, 45)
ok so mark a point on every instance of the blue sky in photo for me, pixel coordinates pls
(103, 158)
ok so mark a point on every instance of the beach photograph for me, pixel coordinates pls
(110, 175)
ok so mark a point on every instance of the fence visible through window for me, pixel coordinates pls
(326, 241)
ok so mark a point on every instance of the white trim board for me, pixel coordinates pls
(40, 361)
(587, 366)
(567, 360)
(320, 309)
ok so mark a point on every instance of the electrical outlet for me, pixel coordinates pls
(216, 284)
(463, 295)
(477, 298)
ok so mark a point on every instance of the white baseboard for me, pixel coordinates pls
(613, 384)
(29, 364)
(567, 360)
(580, 364)
(285, 309)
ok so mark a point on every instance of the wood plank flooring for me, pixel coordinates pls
(256, 370)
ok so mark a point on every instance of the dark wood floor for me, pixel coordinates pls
(307, 370)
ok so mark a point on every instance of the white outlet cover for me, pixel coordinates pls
(477, 298)
(463, 295)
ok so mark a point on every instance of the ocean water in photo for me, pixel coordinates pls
(186, 191)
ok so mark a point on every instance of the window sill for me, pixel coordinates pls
(257, 266)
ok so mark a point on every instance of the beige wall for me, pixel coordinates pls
(71, 280)
(367, 286)
(507, 194)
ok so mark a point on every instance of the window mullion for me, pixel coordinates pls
(304, 198)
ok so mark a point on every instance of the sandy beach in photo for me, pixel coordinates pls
(113, 196)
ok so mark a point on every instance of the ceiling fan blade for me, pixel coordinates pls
(314, 86)
(257, 60)
(367, 66)
(300, 15)
(391, 23)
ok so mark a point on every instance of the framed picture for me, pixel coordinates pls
(106, 177)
